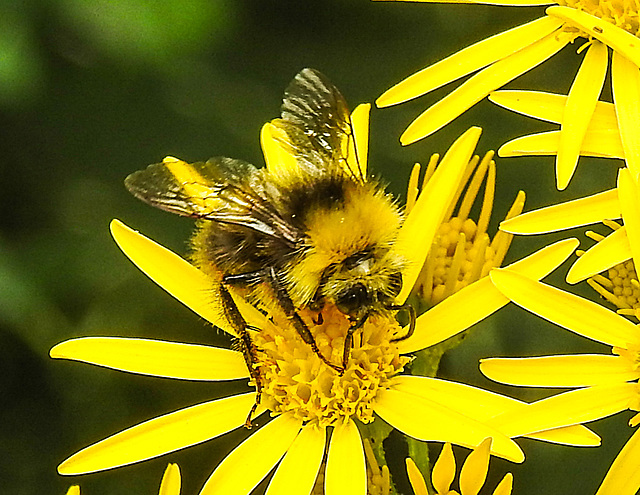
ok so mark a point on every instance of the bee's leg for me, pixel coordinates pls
(287, 306)
(348, 339)
(412, 319)
(247, 347)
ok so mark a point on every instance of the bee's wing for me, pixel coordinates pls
(222, 189)
(317, 124)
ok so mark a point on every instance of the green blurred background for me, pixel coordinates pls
(93, 90)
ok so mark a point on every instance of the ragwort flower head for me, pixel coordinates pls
(503, 57)
(462, 251)
(312, 407)
(605, 384)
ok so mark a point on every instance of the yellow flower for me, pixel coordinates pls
(621, 245)
(507, 55)
(170, 484)
(306, 399)
(472, 474)
(462, 251)
(605, 384)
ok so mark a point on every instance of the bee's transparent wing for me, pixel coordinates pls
(317, 124)
(220, 189)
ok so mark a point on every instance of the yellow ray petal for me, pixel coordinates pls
(603, 143)
(444, 470)
(480, 85)
(623, 477)
(438, 423)
(601, 29)
(625, 79)
(550, 107)
(75, 490)
(505, 486)
(161, 435)
(630, 208)
(415, 478)
(416, 235)
(155, 357)
(578, 111)
(485, 405)
(277, 159)
(468, 60)
(474, 471)
(171, 481)
(360, 124)
(179, 278)
(569, 408)
(480, 299)
(572, 312)
(297, 472)
(610, 251)
(578, 370)
(583, 211)
(346, 470)
(249, 463)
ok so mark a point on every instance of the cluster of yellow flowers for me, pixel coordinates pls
(325, 429)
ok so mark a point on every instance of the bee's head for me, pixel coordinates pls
(364, 283)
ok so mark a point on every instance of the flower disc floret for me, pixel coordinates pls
(622, 13)
(296, 380)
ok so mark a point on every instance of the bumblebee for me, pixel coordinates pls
(291, 237)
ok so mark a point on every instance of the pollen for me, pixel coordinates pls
(622, 13)
(463, 251)
(296, 380)
(619, 285)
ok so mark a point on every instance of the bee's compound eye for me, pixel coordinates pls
(395, 283)
(351, 301)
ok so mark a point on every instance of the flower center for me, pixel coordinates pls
(622, 13)
(295, 379)
(460, 255)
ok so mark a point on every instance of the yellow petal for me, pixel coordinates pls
(439, 423)
(485, 405)
(623, 477)
(610, 251)
(468, 60)
(602, 30)
(179, 278)
(625, 79)
(155, 357)
(277, 159)
(569, 408)
(444, 470)
(630, 208)
(161, 435)
(583, 211)
(479, 299)
(346, 471)
(578, 370)
(75, 490)
(604, 143)
(415, 478)
(480, 85)
(360, 124)
(572, 312)
(249, 463)
(474, 471)
(581, 104)
(171, 481)
(550, 107)
(416, 235)
(296, 474)
(505, 486)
